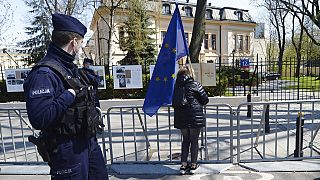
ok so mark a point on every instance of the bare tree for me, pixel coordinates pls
(110, 6)
(39, 30)
(198, 30)
(6, 15)
(278, 17)
(69, 7)
(297, 43)
(310, 9)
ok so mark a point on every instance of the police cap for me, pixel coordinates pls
(62, 22)
(87, 60)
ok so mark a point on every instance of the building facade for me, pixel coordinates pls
(228, 31)
(11, 58)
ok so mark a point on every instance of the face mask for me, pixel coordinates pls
(75, 53)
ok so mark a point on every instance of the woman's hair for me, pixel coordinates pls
(62, 38)
(185, 70)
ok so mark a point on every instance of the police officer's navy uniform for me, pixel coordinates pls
(73, 149)
(93, 78)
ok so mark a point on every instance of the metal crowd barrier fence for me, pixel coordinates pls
(135, 137)
(281, 130)
(285, 130)
(14, 131)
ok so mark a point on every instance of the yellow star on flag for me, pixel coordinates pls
(174, 50)
(157, 79)
(165, 78)
(166, 45)
(173, 75)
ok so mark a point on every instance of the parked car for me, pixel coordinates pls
(270, 76)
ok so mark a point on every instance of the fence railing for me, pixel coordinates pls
(282, 130)
(14, 131)
(285, 130)
(133, 136)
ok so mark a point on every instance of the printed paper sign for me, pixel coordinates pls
(127, 77)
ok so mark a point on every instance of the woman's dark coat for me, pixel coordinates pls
(190, 115)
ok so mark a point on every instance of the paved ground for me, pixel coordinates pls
(233, 173)
(282, 119)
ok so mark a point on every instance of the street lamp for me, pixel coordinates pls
(4, 50)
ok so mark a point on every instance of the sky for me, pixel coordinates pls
(21, 16)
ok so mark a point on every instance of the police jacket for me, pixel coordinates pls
(191, 115)
(94, 80)
(49, 104)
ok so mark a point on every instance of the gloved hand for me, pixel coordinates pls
(72, 92)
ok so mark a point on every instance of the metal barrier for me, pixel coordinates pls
(135, 137)
(283, 130)
(14, 132)
(286, 130)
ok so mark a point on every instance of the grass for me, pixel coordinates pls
(305, 82)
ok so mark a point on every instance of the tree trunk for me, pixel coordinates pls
(109, 41)
(198, 31)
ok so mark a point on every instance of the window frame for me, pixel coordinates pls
(188, 10)
(214, 42)
(206, 41)
(209, 16)
(166, 9)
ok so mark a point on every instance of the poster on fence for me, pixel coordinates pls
(152, 68)
(205, 73)
(127, 77)
(99, 70)
(15, 79)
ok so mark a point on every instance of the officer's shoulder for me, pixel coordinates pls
(43, 70)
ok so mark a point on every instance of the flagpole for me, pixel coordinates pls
(191, 68)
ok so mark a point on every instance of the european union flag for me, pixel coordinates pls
(173, 48)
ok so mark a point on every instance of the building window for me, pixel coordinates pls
(246, 43)
(163, 34)
(188, 11)
(187, 37)
(121, 38)
(214, 41)
(166, 9)
(238, 42)
(239, 15)
(206, 41)
(209, 14)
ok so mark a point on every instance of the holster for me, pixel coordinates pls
(42, 146)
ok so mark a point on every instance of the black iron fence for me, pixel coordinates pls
(258, 76)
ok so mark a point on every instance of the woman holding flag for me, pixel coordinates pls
(188, 116)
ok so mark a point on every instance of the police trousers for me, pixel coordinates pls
(77, 159)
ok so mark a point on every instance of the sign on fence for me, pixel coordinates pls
(15, 79)
(99, 70)
(127, 77)
(244, 63)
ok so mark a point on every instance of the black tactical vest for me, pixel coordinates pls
(82, 118)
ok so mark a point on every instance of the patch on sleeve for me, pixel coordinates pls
(40, 92)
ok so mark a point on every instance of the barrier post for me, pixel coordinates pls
(299, 136)
(249, 112)
(267, 118)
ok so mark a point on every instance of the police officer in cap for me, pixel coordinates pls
(92, 76)
(60, 104)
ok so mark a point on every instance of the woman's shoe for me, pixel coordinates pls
(194, 168)
(183, 169)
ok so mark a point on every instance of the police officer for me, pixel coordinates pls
(92, 77)
(60, 104)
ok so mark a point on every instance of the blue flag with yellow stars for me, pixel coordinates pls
(173, 48)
